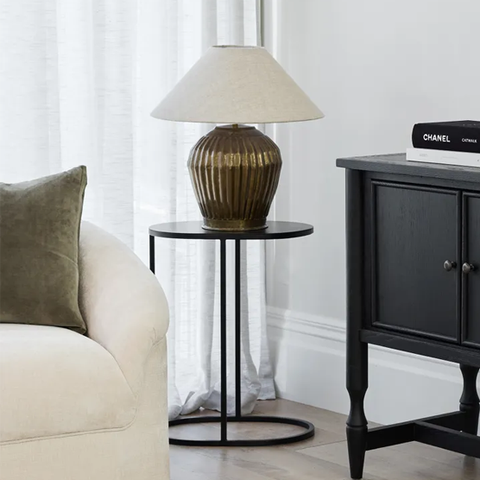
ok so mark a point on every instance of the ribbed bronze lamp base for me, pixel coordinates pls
(235, 172)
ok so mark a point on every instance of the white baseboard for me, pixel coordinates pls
(308, 355)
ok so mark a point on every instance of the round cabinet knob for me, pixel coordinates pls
(468, 267)
(449, 266)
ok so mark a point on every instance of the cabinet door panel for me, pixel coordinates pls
(471, 281)
(415, 230)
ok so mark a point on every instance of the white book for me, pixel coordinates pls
(464, 159)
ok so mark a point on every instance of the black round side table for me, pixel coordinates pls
(194, 230)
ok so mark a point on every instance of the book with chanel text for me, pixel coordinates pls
(461, 136)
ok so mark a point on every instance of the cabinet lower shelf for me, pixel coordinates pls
(447, 431)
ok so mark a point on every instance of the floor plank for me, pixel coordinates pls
(260, 463)
(405, 462)
(322, 458)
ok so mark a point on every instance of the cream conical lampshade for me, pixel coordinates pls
(231, 84)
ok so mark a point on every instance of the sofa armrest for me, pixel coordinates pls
(121, 301)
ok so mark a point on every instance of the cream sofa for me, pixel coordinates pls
(94, 407)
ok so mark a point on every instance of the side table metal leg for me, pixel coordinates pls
(306, 429)
(223, 339)
(238, 330)
(470, 403)
(152, 253)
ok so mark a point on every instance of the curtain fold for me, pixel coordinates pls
(78, 81)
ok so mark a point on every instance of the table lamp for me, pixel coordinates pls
(235, 168)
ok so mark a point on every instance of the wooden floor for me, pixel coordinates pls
(323, 457)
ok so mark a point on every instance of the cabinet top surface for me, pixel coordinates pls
(397, 163)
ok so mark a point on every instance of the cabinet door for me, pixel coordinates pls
(471, 280)
(415, 231)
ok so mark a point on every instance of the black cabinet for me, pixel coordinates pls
(413, 284)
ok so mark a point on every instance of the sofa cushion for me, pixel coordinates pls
(55, 382)
(39, 230)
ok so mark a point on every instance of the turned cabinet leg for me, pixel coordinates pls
(357, 384)
(470, 402)
(357, 351)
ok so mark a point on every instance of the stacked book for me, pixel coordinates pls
(450, 143)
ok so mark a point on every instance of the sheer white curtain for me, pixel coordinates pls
(78, 81)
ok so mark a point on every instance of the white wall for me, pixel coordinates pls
(375, 67)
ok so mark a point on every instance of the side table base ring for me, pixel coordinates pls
(264, 442)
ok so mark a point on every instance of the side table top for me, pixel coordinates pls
(194, 230)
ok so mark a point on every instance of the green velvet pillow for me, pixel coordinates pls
(39, 236)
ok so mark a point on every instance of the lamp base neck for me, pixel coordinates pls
(235, 127)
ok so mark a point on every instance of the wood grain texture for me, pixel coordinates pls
(472, 280)
(415, 231)
(321, 458)
(397, 164)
